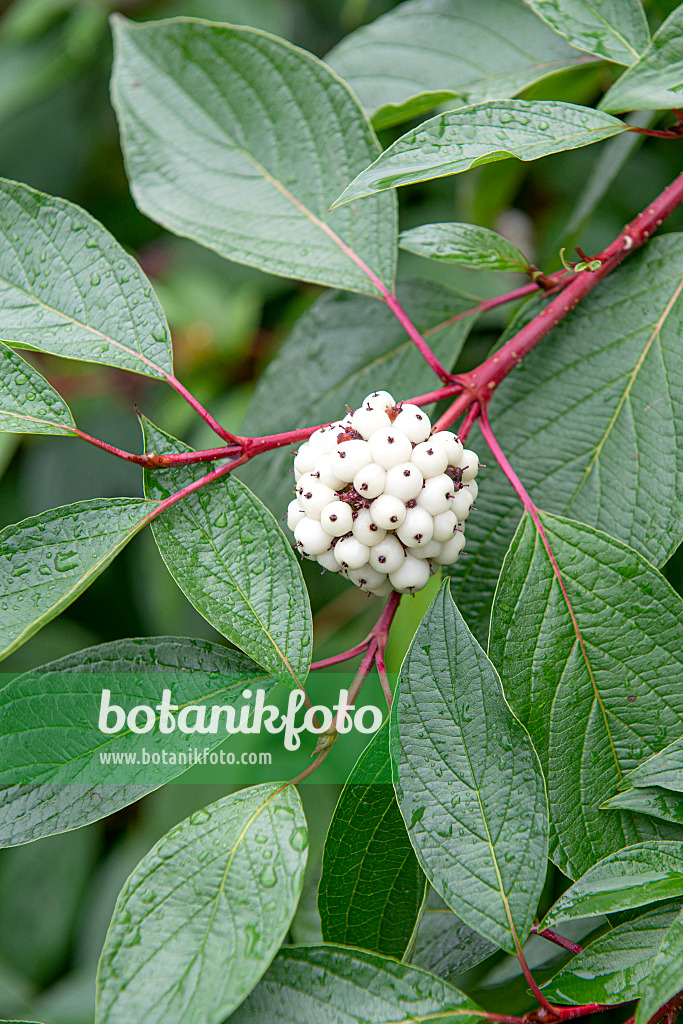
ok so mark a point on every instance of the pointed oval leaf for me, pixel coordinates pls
(444, 944)
(664, 980)
(478, 821)
(632, 877)
(68, 287)
(577, 416)
(372, 887)
(70, 773)
(615, 968)
(28, 405)
(230, 558)
(48, 560)
(241, 141)
(658, 803)
(200, 918)
(350, 345)
(400, 65)
(656, 80)
(466, 245)
(664, 769)
(593, 673)
(355, 987)
(615, 29)
(459, 139)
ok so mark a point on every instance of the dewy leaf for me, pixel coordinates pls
(427, 52)
(230, 558)
(658, 803)
(350, 346)
(656, 80)
(355, 987)
(465, 244)
(468, 781)
(471, 136)
(446, 946)
(593, 673)
(590, 424)
(632, 877)
(48, 560)
(663, 769)
(68, 287)
(372, 888)
(200, 918)
(614, 968)
(615, 29)
(241, 141)
(68, 775)
(28, 405)
(666, 971)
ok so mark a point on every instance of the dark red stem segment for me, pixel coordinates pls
(559, 940)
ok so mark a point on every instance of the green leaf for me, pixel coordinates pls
(593, 673)
(428, 52)
(663, 769)
(614, 968)
(230, 558)
(478, 821)
(658, 803)
(664, 980)
(632, 877)
(471, 136)
(656, 80)
(240, 141)
(465, 244)
(58, 780)
(67, 287)
(615, 29)
(372, 888)
(445, 945)
(355, 987)
(28, 405)
(200, 918)
(350, 346)
(590, 424)
(48, 560)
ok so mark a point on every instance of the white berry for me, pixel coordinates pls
(388, 512)
(370, 480)
(404, 481)
(436, 494)
(431, 550)
(451, 550)
(349, 457)
(310, 537)
(328, 561)
(366, 530)
(366, 577)
(417, 529)
(336, 519)
(379, 400)
(412, 575)
(295, 514)
(313, 496)
(445, 525)
(414, 423)
(326, 474)
(469, 462)
(389, 447)
(451, 444)
(430, 458)
(350, 553)
(462, 503)
(388, 555)
(306, 459)
(367, 421)
(473, 488)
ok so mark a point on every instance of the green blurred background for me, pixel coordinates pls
(58, 133)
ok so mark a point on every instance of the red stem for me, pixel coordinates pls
(559, 940)
(199, 408)
(552, 282)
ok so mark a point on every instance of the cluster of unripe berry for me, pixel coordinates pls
(380, 498)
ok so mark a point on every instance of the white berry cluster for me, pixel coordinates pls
(379, 497)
